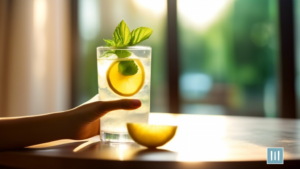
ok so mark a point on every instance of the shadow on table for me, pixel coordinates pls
(123, 151)
(156, 155)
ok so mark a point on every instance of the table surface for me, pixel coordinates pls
(201, 140)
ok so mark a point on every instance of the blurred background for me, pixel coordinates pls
(229, 59)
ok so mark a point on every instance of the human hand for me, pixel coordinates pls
(85, 119)
(79, 123)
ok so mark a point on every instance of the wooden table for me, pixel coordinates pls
(202, 141)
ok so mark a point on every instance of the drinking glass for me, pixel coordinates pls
(113, 85)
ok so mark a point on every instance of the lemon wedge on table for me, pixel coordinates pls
(125, 85)
(151, 136)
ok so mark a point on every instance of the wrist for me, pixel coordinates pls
(67, 124)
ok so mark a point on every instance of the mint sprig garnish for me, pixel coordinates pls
(122, 53)
(122, 37)
(108, 53)
(128, 68)
(140, 34)
(109, 42)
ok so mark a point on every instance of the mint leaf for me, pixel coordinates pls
(109, 42)
(140, 34)
(122, 53)
(128, 68)
(122, 35)
(108, 53)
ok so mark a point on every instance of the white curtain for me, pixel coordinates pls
(34, 56)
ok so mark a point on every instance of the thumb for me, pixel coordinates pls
(126, 104)
(100, 108)
(93, 111)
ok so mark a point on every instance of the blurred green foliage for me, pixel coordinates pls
(239, 50)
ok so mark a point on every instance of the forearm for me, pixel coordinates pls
(26, 131)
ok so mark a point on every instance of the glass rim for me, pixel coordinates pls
(125, 48)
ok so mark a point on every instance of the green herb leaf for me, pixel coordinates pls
(122, 35)
(122, 53)
(108, 53)
(128, 68)
(121, 38)
(109, 42)
(140, 34)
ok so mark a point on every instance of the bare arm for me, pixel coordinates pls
(78, 123)
(24, 131)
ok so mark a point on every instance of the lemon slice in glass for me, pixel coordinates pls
(125, 85)
(151, 135)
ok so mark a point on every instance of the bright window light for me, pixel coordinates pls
(201, 13)
(89, 19)
(155, 6)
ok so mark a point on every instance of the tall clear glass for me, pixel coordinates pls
(113, 85)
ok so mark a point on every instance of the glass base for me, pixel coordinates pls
(115, 137)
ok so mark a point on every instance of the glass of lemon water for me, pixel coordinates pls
(123, 73)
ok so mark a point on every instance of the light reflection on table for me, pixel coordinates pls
(197, 139)
(206, 138)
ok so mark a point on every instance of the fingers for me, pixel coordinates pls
(92, 111)
(127, 104)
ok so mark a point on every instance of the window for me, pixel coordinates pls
(228, 52)
(228, 56)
